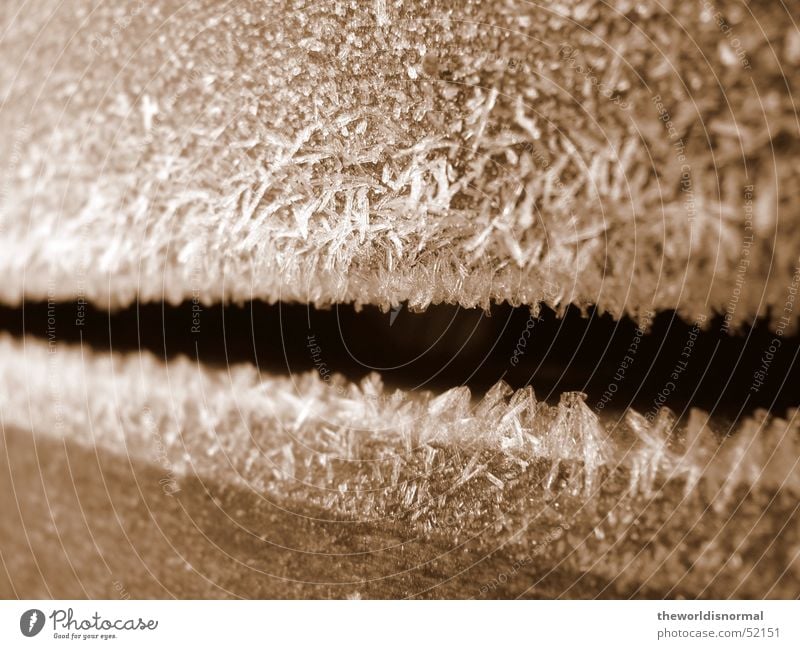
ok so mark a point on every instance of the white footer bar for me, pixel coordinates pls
(399, 624)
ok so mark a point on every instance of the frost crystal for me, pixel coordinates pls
(361, 452)
(366, 157)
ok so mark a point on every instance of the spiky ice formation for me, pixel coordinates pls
(358, 451)
(379, 152)
(332, 469)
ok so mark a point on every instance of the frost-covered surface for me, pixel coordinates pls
(364, 451)
(334, 152)
(384, 151)
(513, 473)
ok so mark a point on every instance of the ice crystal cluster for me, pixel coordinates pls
(621, 154)
(447, 464)
(375, 152)
(550, 487)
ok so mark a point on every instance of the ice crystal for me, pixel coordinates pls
(434, 160)
(358, 451)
